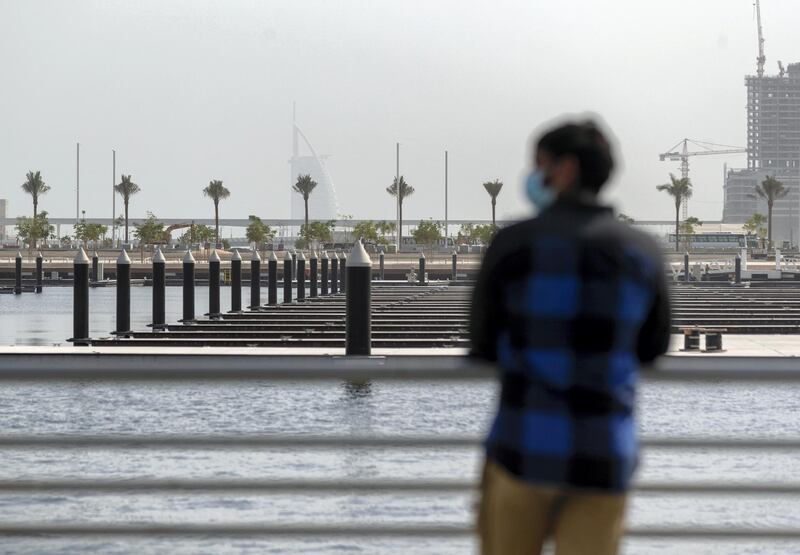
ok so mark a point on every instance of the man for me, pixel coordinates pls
(567, 304)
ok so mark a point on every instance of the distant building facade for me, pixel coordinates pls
(773, 149)
(3, 214)
(322, 203)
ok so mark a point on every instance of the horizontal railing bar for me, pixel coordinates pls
(257, 486)
(338, 442)
(213, 529)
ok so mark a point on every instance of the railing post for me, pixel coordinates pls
(454, 270)
(39, 271)
(123, 294)
(686, 267)
(18, 274)
(188, 286)
(343, 271)
(213, 284)
(287, 278)
(236, 282)
(159, 290)
(421, 277)
(324, 273)
(272, 279)
(358, 334)
(301, 276)
(255, 280)
(95, 266)
(80, 299)
(381, 259)
(312, 270)
(737, 269)
(334, 274)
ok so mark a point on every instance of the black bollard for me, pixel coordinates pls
(421, 277)
(39, 271)
(18, 274)
(188, 287)
(123, 294)
(686, 267)
(301, 276)
(312, 275)
(358, 328)
(95, 266)
(334, 274)
(454, 270)
(342, 272)
(287, 278)
(255, 280)
(236, 282)
(323, 277)
(80, 299)
(272, 279)
(737, 269)
(213, 284)
(159, 290)
(381, 258)
(294, 264)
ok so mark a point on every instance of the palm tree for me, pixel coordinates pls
(493, 188)
(304, 186)
(679, 190)
(216, 192)
(35, 186)
(126, 188)
(770, 189)
(406, 191)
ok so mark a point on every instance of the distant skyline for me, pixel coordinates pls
(190, 91)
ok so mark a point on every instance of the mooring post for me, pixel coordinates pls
(454, 270)
(39, 271)
(358, 329)
(381, 258)
(312, 275)
(95, 266)
(294, 264)
(334, 274)
(686, 267)
(301, 276)
(272, 279)
(287, 278)
(159, 290)
(737, 269)
(323, 277)
(213, 284)
(236, 282)
(421, 277)
(80, 299)
(188, 286)
(343, 271)
(255, 280)
(123, 294)
(18, 274)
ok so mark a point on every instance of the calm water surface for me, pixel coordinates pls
(337, 408)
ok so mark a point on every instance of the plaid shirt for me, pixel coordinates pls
(569, 304)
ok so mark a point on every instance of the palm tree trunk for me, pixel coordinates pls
(126, 221)
(494, 202)
(677, 226)
(769, 226)
(305, 202)
(216, 222)
(400, 222)
(35, 203)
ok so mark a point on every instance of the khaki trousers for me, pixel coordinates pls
(515, 518)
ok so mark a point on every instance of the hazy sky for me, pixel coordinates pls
(188, 91)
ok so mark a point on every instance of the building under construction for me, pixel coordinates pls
(773, 149)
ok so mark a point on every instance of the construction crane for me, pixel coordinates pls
(761, 60)
(682, 156)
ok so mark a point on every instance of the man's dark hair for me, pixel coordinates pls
(587, 144)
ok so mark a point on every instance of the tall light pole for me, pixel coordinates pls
(113, 196)
(397, 183)
(446, 234)
(78, 183)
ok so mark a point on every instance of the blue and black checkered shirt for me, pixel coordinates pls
(569, 304)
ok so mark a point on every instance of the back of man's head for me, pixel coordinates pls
(587, 145)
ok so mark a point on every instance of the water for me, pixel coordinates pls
(336, 408)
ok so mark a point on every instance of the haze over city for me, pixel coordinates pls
(187, 92)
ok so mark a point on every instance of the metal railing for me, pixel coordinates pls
(179, 367)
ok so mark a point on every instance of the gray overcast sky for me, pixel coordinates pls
(189, 91)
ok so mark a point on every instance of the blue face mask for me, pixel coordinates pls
(538, 193)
